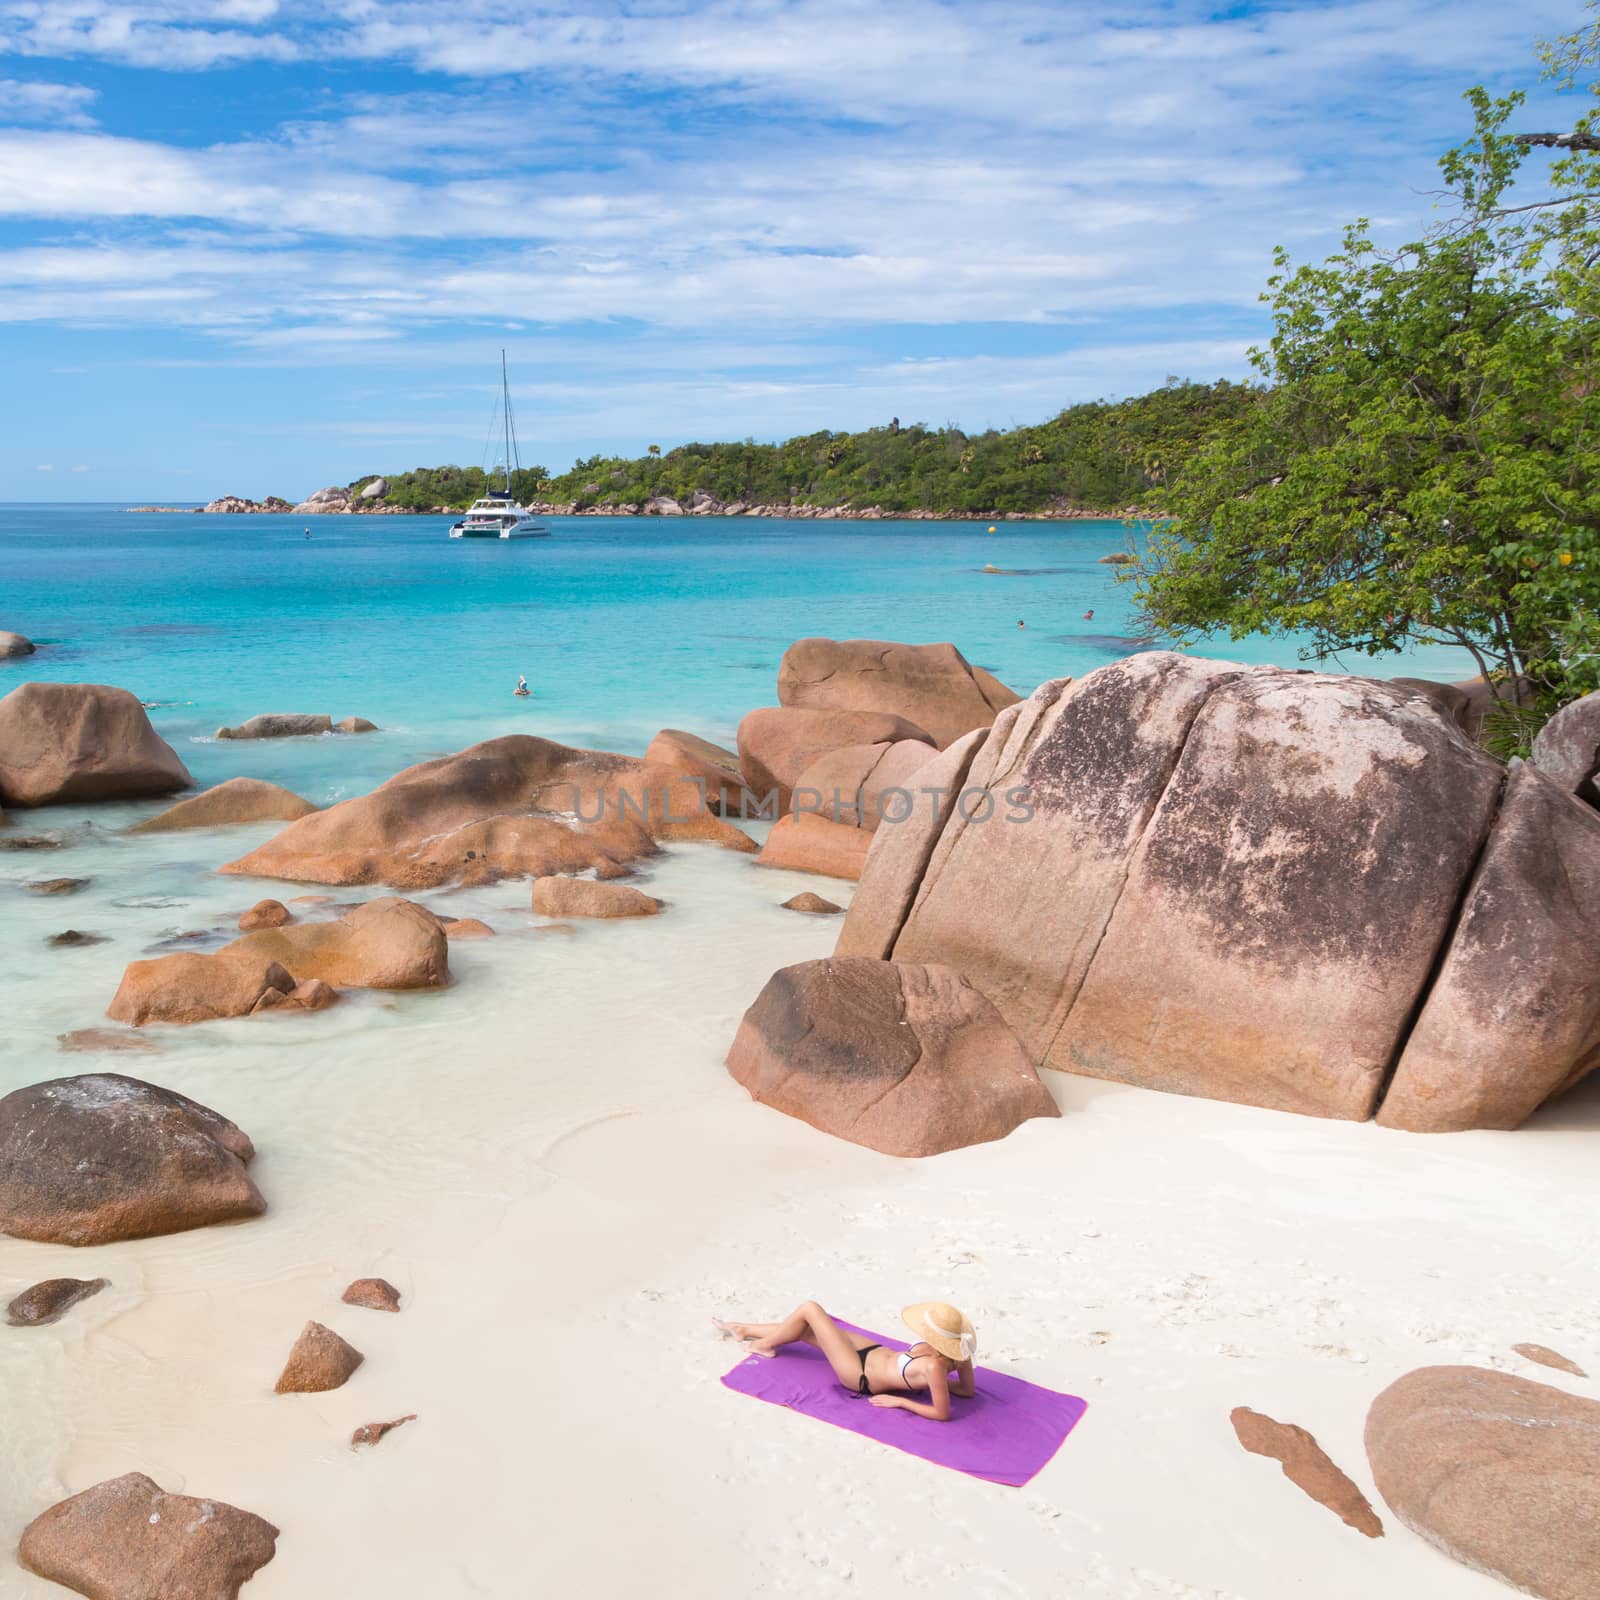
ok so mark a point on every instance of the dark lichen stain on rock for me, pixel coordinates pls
(1279, 867)
(1094, 768)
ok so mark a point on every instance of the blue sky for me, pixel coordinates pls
(257, 246)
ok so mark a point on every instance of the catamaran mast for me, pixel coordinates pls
(505, 392)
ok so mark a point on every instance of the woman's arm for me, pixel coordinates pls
(966, 1384)
(901, 1402)
(938, 1393)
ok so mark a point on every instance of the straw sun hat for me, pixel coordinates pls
(942, 1326)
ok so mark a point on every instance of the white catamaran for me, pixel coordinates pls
(498, 515)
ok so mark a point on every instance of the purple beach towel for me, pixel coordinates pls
(1005, 1433)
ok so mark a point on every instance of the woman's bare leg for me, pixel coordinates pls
(807, 1324)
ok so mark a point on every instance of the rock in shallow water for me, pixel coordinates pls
(813, 904)
(704, 763)
(320, 1360)
(278, 725)
(228, 804)
(127, 1539)
(193, 987)
(808, 843)
(88, 1041)
(74, 939)
(62, 742)
(51, 1300)
(512, 807)
(1500, 1473)
(57, 885)
(100, 1157)
(381, 944)
(904, 1058)
(582, 897)
(265, 914)
(1308, 1466)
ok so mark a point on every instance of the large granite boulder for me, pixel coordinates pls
(778, 743)
(905, 1058)
(899, 854)
(1567, 747)
(381, 944)
(14, 645)
(375, 490)
(1198, 877)
(518, 806)
(101, 1157)
(932, 685)
(805, 842)
(63, 742)
(1501, 1473)
(228, 804)
(325, 502)
(1513, 1016)
(702, 762)
(127, 1539)
(190, 986)
(861, 783)
(279, 725)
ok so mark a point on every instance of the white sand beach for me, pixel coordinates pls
(550, 1161)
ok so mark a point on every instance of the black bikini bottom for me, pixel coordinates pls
(861, 1385)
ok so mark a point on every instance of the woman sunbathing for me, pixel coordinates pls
(940, 1362)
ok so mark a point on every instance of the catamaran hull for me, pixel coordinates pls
(497, 533)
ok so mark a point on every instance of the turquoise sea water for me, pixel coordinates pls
(621, 625)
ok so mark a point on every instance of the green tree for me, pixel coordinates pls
(1421, 463)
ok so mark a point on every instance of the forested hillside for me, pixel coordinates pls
(1098, 456)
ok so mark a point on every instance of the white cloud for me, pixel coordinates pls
(44, 466)
(64, 105)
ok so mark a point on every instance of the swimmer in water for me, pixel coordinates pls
(1021, 623)
(1088, 616)
(522, 686)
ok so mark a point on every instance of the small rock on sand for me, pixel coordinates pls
(320, 1360)
(812, 903)
(1549, 1358)
(51, 1300)
(265, 914)
(57, 885)
(74, 939)
(1308, 1466)
(372, 1432)
(127, 1539)
(376, 1294)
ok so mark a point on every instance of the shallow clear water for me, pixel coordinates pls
(622, 625)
